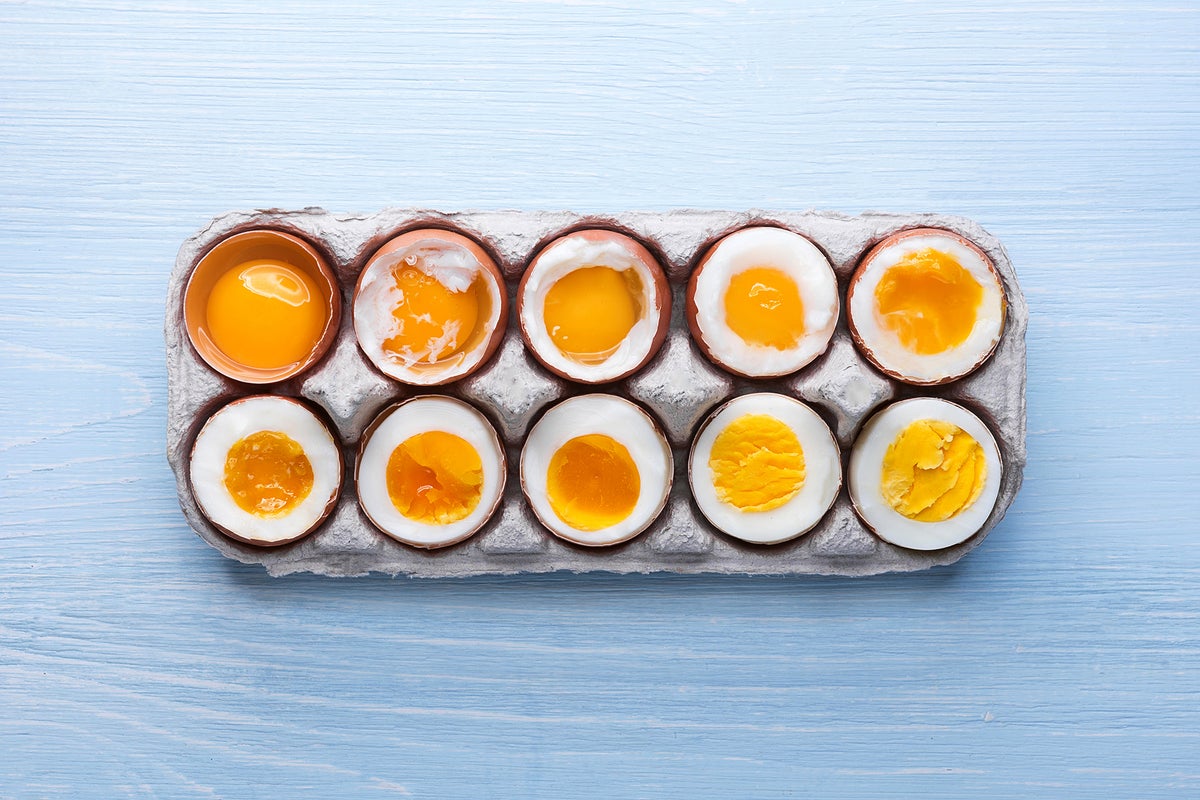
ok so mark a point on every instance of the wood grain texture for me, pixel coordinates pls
(1059, 660)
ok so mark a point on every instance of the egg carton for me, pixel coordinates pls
(679, 386)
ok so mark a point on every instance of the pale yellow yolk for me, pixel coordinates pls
(590, 311)
(266, 314)
(757, 463)
(432, 321)
(268, 474)
(435, 477)
(763, 307)
(929, 301)
(933, 471)
(592, 482)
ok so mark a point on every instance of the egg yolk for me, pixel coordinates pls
(933, 471)
(929, 301)
(266, 314)
(432, 321)
(268, 474)
(763, 307)
(757, 463)
(588, 312)
(435, 478)
(592, 482)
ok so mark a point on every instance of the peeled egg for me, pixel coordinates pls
(764, 468)
(430, 471)
(926, 306)
(763, 302)
(266, 470)
(925, 474)
(596, 470)
(594, 306)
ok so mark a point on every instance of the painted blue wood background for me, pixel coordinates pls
(1061, 659)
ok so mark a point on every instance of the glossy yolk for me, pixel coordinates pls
(432, 322)
(929, 301)
(435, 477)
(763, 307)
(268, 474)
(933, 471)
(266, 314)
(592, 482)
(590, 311)
(757, 463)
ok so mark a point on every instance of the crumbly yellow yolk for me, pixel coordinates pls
(763, 307)
(592, 482)
(268, 474)
(590, 311)
(266, 314)
(757, 463)
(929, 301)
(933, 471)
(433, 322)
(435, 477)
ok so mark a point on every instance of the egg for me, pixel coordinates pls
(265, 470)
(764, 468)
(429, 307)
(925, 474)
(430, 471)
(762, 302)
(596, 470)
(593, 306)
(926, 306)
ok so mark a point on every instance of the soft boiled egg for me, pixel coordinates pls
(764, 468)
(925, 474)
(926, 306)
(594, 306)
(596, 470)
(763, 302)
(430, 471)
(266, 470)
(430, 307)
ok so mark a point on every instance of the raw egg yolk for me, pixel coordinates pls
(757, 463)
(433, 321)
(266, 314)
(763, 306)
(933, 471)
(435, 477)
(593, 482)
(589, 311)
(268, 474)
(929, 301)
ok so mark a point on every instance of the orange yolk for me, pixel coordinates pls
(435, 477)
(929, 301)
(757, 463)
(933, 471)
(592, 482)
(763, 306)
(268, 474)
(590, 311)
(433, 322)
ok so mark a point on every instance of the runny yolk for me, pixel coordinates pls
(266, 314)
(592, 482)
(933, 471)
(757, 463)
(763, 307)
(589, 311)
(435, 477)
(929, 301)
(268, 474)
(432, 321)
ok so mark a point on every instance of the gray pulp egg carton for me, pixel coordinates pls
(679, 386)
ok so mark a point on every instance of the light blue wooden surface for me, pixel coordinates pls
(1061, 659)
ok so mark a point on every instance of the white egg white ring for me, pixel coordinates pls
(611, 416)
(238, 420)
(401, 422)
(822, 480)
(866, 468)
(796, 257)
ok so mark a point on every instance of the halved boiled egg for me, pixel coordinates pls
(596, 469)
(430, 471)
(925, 473)
(926, 306)
(266, 470)
(763, 302)
(594, 306)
